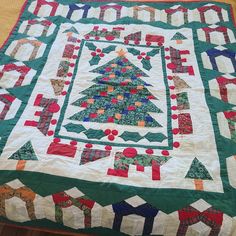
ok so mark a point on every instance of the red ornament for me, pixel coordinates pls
(173, 96)
(172, 87)
(56, 140)
(69, 74)
(98, 50)
(167, 57)
(97, 38)
(77, 47)
(150, 97)
(123, 83)
(123, 70)
(130, 152)
(88, 145)
(93, 54)
(108, 148)
(148, 43)
(136, 42)
(143, 53)
(175, 131)
(174, 116)
(101, 55)
(103, 93)
(84, 104)
(86, 37)
(147, 58)
(111, 137)
(110, 119)
(126, 41)
(72, 64)
(53, 122)
(50, 133)
(114, 100)
(109, 37)
(54, 107)
(165, 153)
(176, 144)
(125, 60)
(78, 41)
(149, 151)
(108, 69)
(174, 108)
(67, 82)
(167, 49)
(74, 56)
(131, 108)
(160, 44)
(73, 143)
(107, 131)
(169, 77)
(133, 91)
(93, 115)
(63, 93)
(171, 66)
(114, 132)
(140, 57)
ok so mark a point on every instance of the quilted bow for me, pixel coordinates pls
(189, 216)
(145, 210)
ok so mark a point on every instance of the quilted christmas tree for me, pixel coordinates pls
(198, 172)
(119, 96)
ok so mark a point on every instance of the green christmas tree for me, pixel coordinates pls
(71, 30)
(198, 172)
(26, 152)
(118, 96)
(178, 36)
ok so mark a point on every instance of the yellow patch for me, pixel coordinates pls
(112, 76)
(110, 89)
(140, 87)
(138, 104)
(101, 111)
(118, 116)
(90, 101)
(119, 97)
(141, 123)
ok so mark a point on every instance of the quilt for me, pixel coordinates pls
(119, 118)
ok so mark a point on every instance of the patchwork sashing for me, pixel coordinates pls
(139, 96)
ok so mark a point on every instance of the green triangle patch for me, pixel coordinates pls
(178, 36)
(26, 152)
(198, 171)
(72, 30)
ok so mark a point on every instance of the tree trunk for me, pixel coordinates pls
(198, 184)
(20, 165)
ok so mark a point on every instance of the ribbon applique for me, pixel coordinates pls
(24, 193)
(63, 200)
(203, 9)
(214, 53)
(145, 210)
(40, 3)
(74, 7)
(189, 216)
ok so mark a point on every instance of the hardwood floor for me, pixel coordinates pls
(11, 230)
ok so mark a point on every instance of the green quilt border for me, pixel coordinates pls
(168, 200)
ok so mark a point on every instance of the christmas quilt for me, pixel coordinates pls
(119, 118)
